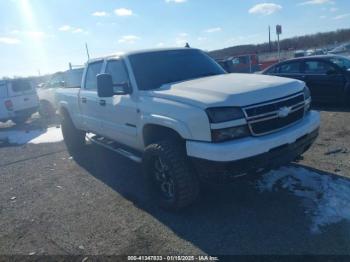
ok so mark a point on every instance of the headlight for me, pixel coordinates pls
(224, 114)
(221, 135)
(307, 95)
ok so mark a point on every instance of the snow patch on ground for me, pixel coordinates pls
(16, 137)
(325, 198)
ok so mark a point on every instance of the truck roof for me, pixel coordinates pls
(144, 51)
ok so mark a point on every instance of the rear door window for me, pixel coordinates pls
(93, 70)
(318, 67)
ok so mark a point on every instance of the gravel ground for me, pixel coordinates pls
(331, 152)
(95, 204)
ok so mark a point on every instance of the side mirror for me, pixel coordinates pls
(106, 88)
(105, 85)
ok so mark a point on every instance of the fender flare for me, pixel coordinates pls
(165, 121)
(63, 106)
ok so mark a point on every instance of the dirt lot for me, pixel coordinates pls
(331, 152)
(96, 203)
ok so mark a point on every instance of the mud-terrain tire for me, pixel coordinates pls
(73, 137)
(172, 182)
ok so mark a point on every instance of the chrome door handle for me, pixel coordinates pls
(102, 102)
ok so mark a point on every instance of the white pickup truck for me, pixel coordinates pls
(180, 114)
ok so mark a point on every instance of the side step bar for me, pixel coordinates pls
(113, 146)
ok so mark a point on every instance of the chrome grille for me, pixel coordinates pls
(272, 116)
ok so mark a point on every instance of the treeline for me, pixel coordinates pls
(319, 40)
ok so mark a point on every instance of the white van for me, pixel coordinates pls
(18, 100)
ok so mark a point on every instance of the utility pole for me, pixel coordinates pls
(250, 64)
(87, 51)
(270, 39)
(279, 32)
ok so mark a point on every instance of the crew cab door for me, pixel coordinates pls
(119, 113)
(88, 99)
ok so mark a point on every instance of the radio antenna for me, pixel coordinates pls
(87, 51)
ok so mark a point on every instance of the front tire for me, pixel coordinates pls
(73, 137)
(172, 181)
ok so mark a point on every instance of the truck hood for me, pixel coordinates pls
(228, 90)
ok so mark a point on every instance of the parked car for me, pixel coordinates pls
(343, 49)
(319, 51)
(328, 76)
(299, 53)
(18, 100)
(180, 114)
(241, 64)
(68, 79)
(309, 52)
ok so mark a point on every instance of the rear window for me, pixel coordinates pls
(20, 86)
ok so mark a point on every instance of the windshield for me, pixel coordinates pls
(342, 62)
(152, 70)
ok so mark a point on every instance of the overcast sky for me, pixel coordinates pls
(47, 34)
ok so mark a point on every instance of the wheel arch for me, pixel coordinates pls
(152, 133)
(63, 110)
(154, 125)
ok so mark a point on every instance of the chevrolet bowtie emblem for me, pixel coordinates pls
(284, 112)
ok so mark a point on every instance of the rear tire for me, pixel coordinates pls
(73, 137)
(172, 182)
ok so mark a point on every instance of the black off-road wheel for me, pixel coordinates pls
(172, 182)
(73, 137)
